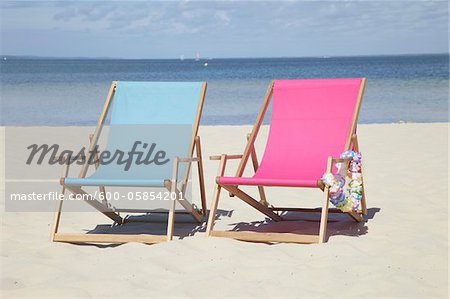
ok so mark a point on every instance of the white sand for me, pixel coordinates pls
(401, 251)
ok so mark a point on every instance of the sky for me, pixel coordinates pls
(219, 29)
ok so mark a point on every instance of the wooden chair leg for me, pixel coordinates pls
(213, 210)
(60, 202)
(173, 190)
(201, 178)
(171, 220)
(326, 199)
(215, 202)
(56, 219)
(324, 217)
(363, 199)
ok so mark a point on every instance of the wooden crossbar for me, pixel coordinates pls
(108, 238)
(267, 237)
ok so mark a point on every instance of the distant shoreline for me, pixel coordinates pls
(27, 57)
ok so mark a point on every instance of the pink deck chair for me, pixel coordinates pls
(313, 121)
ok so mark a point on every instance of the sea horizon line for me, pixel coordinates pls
(24, 57)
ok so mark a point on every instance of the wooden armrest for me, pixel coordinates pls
(227, 157)
(188, 160)
(340, 160)
(78, 158)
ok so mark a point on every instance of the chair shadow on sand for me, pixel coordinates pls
(308, 224)
(185, 226)
(155, 224)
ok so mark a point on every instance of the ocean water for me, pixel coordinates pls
(410, 88)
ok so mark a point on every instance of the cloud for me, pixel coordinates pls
(222, 16)
(88, 12)
(301, 27)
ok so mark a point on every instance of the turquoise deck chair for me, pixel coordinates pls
(142, 114)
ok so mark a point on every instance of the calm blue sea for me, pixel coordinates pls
(413, 88)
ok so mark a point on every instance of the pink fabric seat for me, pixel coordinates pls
(226, 180)
(311, 120)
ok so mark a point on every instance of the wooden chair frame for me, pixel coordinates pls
(113, 213)
(262, 205)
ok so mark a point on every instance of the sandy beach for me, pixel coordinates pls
(400, 251)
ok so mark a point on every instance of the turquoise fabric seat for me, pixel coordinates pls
(160, 113)
(92, 181)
